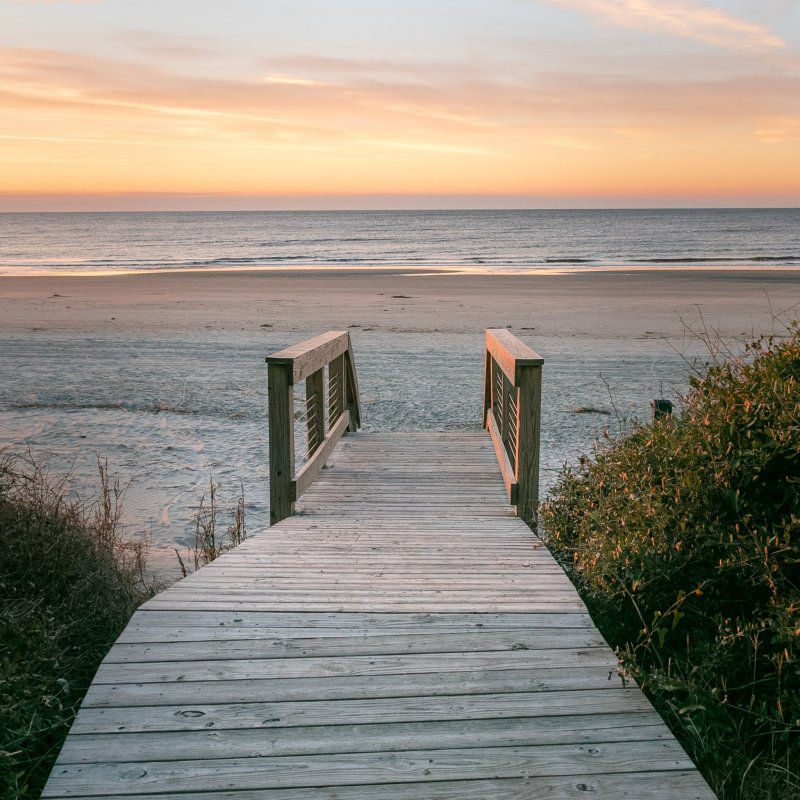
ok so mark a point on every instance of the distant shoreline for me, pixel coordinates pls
(560, 269)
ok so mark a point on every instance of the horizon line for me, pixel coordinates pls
(179, 202)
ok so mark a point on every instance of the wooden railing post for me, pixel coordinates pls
(529, 412)
(505, 389)
(488, 375)
(281, 441)
(351, 391)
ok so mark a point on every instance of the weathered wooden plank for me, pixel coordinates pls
(371, 571)
(332, 557)
(391, 737)
(311, 355)
(408, 638)
(354, 665)
(365, 621)
(447, 548)
(333, 566)
(344, 769)
(334, 562)
(288, 561)
(402, 605)
(650, 785)
(389, 596)
(517, 567)
(366, 581)
(510, 353)
(349, 687)
(288, 714)
(271, 647)
(388, 575)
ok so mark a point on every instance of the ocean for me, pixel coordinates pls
(33, 243)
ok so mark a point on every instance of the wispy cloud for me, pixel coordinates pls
(170, 46)
(292, 80)
(780, 128)
(685, 18)
(363, 103)
(110, 124)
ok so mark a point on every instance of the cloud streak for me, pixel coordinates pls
(368, 104)
(685, 18)
(76, 120)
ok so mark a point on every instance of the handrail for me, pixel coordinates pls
(308, 361)
(512, 413)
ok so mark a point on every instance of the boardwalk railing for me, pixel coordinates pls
(511, 413)
(325, 423)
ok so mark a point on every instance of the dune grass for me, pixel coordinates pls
(68, 585)
(684, 540)
(210, 542)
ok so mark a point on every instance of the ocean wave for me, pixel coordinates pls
(715, 259)
(687, 260)
(66, 405)
(207, 411)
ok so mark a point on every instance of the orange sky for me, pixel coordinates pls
(568, 102)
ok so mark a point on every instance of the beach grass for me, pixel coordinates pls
(210, 542)
(684, 540)
(69, 583)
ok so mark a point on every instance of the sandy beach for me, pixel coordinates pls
(163, 373)
(606, 304)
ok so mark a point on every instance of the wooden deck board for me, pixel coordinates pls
(403, 636)
(377, 767)
(650, 785)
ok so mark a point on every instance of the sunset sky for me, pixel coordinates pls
(117, 104)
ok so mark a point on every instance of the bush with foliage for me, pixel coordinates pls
(684, 539)
(68, 585)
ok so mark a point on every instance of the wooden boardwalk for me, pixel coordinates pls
(398, 633)
(402, 636)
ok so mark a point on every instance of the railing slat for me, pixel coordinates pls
(506, 470)
(315, 463)
(507, 387)
(315, 404)
(336, 387)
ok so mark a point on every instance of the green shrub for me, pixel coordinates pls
(684, 539)
(68, 585)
